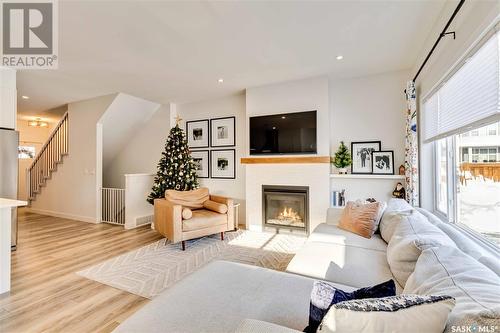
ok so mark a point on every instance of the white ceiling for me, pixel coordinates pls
(176, 51)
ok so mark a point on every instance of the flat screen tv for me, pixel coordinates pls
(289, 133)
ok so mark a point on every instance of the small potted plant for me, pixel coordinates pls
(342, 159)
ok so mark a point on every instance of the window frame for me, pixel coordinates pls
(452, 180)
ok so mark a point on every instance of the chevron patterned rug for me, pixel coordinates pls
(153, 268)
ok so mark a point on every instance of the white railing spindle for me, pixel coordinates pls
(113, 205)
(48, 157)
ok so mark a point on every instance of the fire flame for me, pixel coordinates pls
(289, 214)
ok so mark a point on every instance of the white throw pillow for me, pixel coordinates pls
(448, 271)
(403, 313)
(394, 212)
(403, 251)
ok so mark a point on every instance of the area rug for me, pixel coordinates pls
(153, 268)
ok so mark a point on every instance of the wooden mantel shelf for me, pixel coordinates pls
(285, 160)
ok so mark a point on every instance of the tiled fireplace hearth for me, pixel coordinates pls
(285, 207)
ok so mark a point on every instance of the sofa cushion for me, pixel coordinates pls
(324, 295)
(327, 233)
(395, 211)
(403, 251)
(203, 218)
(259, 326)
(353, 266)
(191, 199)
(466, 243)
(448, 271)
(403, 313)
(215, 207)
(187, 213)
(360, 218)
(220, 295)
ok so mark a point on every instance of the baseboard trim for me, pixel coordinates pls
(87, 219)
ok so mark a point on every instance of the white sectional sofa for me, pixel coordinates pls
(231, 297)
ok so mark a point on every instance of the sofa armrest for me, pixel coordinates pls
(230, 208)
(259, 326)
(168, 219)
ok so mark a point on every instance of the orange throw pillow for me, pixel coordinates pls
(360, 219)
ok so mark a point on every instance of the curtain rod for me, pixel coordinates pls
(441, 35)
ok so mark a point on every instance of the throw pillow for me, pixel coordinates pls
(446, 270)
(395, 211)
(403, 313)
(191, 199)
(187, 213)
(403, 248)
(324, 295)
(360, 218)
(215, 207)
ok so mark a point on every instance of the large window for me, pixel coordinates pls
(468, 173)
(461, 119)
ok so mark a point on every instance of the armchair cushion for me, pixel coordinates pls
(203, 218)
(187, 213)
(191, 199)
(215, 206)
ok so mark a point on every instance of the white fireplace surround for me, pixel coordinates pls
(296, 96)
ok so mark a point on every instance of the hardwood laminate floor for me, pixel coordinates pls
(47, 295)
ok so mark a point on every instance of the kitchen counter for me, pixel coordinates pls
(6, 206)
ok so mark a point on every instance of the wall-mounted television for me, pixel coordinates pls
(288, 133)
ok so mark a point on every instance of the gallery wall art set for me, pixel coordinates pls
(213, 133)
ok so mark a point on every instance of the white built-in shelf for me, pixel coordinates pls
(369, 176)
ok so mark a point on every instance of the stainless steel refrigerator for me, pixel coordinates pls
(9, 142)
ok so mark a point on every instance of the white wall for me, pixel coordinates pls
(294, 96)
(470, 23)
(223, 107)
(71, 191)
(122, 120)
(142, 151)
(371, 108)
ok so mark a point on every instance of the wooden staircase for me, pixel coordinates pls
(47, 159)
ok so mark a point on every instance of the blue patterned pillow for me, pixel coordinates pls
(402, 313)
(324, 295)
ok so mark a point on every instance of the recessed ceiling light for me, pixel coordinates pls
(25, 97)
(220, 80)
(340, 57)
(283, 117)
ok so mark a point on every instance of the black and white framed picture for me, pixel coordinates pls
(383, 162)
(223, 132)
(198, 133)
(223, 163)
(201, 159)
(361, 153)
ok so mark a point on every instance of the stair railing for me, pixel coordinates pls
(51, 153)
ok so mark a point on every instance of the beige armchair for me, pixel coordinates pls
(170, 223)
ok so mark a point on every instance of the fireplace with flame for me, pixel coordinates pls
(285, 207)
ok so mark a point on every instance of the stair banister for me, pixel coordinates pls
(51, 153)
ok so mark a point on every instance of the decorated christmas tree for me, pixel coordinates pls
(342, 158)
(176, 169)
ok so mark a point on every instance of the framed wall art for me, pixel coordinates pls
(198, 133)
(361, 153)
(383, 162)
(201, 159)
(223, 132)
(223, 163)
